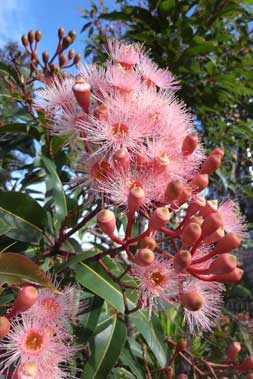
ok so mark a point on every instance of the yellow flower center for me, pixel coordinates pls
(157, 278)
(34, 341)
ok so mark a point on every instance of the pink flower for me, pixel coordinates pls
(95, 76)
(122, 80)
(157, 282)
(233, 221)
(124, 53)
(58, 93)
(153, 75)
(32, 340)
(210, 294)
(67, 123)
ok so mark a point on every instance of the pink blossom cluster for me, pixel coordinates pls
(37, 343)
(141, 153)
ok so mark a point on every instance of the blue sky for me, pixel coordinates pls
(19, 16)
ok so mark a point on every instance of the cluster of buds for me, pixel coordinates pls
(140, 152)
(35, 338)
(31, 41)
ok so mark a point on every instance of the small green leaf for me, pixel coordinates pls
(106, 351)
(17, 269)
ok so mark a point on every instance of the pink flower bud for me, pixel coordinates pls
(249, 376)
(136, 198)
(4, 326)
(225, 263)
(230, 277)
(215, 236)
(211, 224)
(101, 112)
(196, 219)
(210, 207)
(173, 190)
(227, 243)
(191, 233)
(140, 162)
(169, 372)
(246, 365)
(196, 205)
(182, 260)
(184, 196)
(26, 297)
(148, 242)
(190, 143)
(159, 218)
(121, 159)
(144, 257)
(199, 182)
(212, 163)
(218, 151)
(106, 220)
(233, 350)
(182, 344)
(192, 300)
(81, 91)
(160, 163)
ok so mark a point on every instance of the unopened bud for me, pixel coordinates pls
(161, 162)
(24, 40)
(210, 207)
(45, 56)
(106, 220)
(34, 55)
(197, 220)
(159, 218)
(144, 257)
(71, 53)
(192, 300)
(140, 162)
(61, 32)
(81, 91)
(26, 297)
(233, 350)
(148, 242)
(38, 35)
(182, 344)
(223, 264)
(229, 242)
(246, 365)
(218, 151)
(136, 199)
(62, 60)
(231, 277)
(191, 233)
(66, 42)
(169, 372)
(101, 112)
(77, 58)
(31, 36)
(211, 224)
(212, 163)
(173, 191)
(199, 182)
(182, 260)
(121, 159)
(196, 205)
(4, 326)
(185, 195)
(190, 143)
(72, 34)
(215, 236)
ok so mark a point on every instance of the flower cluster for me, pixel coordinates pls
(38, 342)
(140, 151)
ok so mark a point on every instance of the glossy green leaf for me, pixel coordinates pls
(24, 216)
(18, 270)
(90, 323)
(55, 193)
(106, 350)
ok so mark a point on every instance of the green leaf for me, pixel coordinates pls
(167, 5)
(106, 351)
(91, 322)
(17, 269)
(55, 192)
(200, 49)
(24, 216)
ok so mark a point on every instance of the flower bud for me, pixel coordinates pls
(185, 195)
(71, 54)
(190, 143)
(77, 58)
(136, 199)
(210, 207)
(246, 365)
(229, 242)
(231, 277)
(106, 220)
(45, 56)
(192, 300)
(169, 372)
(26, 297)
(161, 162)
(191, 233)
(72, 35)
(24, 40)
(199, 182)
(182, 344)
(173, 190)
(140, 162)
(31, 36)
(197, 220)
(62, 60)
(182, 260)
(211, 224)
(148, 242)
(215, 236)
(218, 151)
(61, 32)
(225, 263)
(159, 218)
(144, 257)
(249, 376)
(81, 91)
(27, 370)
(4, 326)
(196, 205)
(38, 35)
(66, 42)
(121, 159)
(212, 163)
(101, 112)
(233, 350)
